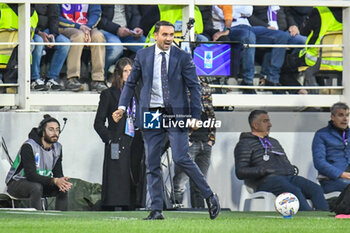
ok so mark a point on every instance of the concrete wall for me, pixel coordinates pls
(83, 149)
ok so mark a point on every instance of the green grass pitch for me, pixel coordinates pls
(176, 221)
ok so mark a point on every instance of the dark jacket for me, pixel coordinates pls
(48, 18)
(107, 106)
(28, 162)
(250, 165)
(149, 16)
(132, 14)
(122, 181)
(207, 17)
(259, 18)
(297, 15)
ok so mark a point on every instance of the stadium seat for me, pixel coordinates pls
(331, 194)
(247, 193)
(326, 75)
(6, 196)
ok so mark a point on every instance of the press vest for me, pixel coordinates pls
(173, 14)
(328, 24)
(9, 30)
(45, 161)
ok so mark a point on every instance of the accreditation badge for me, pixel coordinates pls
(129, 127)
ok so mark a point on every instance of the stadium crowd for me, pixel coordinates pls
(70, 67)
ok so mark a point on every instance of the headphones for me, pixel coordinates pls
(47, 119)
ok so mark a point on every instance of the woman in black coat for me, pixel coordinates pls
(123, 173)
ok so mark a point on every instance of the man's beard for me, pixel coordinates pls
(50, 140)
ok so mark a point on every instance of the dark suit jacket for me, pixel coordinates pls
(182, 78)
(132, 14)
(108, 104)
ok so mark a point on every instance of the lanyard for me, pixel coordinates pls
(266, 143)
(345, 140)
(132, 111)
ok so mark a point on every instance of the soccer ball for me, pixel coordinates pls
(287, 204)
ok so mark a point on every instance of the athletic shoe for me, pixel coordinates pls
(54, 85)
(38, 85)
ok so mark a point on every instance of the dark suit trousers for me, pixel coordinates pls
(154, 140)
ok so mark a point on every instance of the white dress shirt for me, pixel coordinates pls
(157, 91)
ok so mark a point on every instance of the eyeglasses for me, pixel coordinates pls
(53, 130)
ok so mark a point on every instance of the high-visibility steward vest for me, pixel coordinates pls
(328, 24)
(173, 14)
(9, 30)
(45, 161)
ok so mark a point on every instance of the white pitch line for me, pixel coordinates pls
(32, 212)
(121, 218)
(193, 212)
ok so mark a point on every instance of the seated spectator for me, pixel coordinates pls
(201, 142)
(261, 161)
(321, 21)
(331, 149)
(277, 18)
(123, 173)
(272, 18)
(242, 31)
(149, 16)
(294, 17)
(208, 26)
(37, 169)
(298, 15)
(114, 24)
(173, 14)
(9, 32)
(47, 31)
(79, 22)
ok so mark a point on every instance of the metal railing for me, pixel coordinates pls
(27, 100)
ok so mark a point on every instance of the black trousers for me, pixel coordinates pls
(35, 191)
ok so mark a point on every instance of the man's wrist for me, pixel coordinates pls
(122, 108)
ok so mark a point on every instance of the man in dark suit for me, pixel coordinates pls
(164, 73)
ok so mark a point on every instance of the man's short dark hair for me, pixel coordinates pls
(254, 115)
(338, 105)
(162, 23)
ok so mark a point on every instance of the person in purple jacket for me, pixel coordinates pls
(79, 22)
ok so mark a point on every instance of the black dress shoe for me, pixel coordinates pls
(155, 215)
(213, 205)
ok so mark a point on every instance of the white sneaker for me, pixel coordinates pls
(39, 85)
(54, 85)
